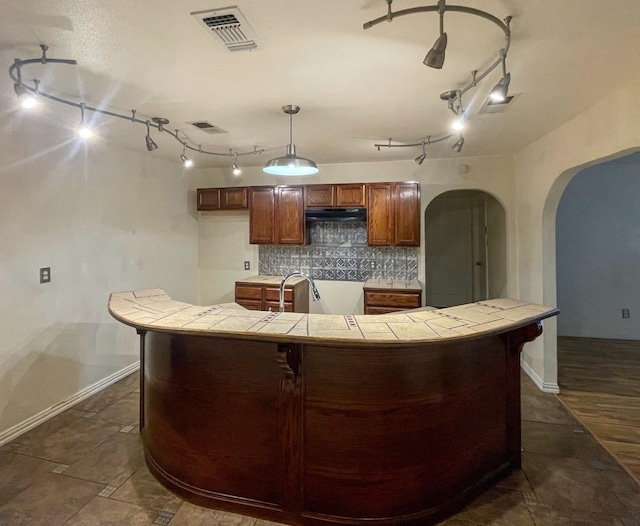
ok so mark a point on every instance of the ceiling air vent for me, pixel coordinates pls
(228, 27)
(207, 127)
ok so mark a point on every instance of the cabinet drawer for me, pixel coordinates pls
(272, 294)
(382, 310)
(250, 304)
(275, 306)
(407, 300)
(248, 292)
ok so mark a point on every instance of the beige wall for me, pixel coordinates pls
(542, 170)
(104, 220)
(224, 236)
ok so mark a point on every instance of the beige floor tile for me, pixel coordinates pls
(498, 507)
(104, 512)
(544, 409)
(570, 484)
(101, 400)
(125, 411)
(71, 443)
(144, 490)
(131, 382)
(48, 428)
(48, 502)
(547, 516)
(18, 472)
(112, 463)
(190, 515)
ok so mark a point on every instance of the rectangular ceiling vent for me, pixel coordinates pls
(207, 127)
(228, 27)
(498, 107)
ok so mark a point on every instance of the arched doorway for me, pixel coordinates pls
(465, 248)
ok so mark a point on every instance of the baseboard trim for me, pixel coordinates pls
(28, 424)
(546, 387)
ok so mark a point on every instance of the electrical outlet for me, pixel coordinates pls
(45, 274)
(247, 265)
(625, 313)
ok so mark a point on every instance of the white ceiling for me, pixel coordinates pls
(355, 87)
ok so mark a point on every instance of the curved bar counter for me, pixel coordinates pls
(330, 420)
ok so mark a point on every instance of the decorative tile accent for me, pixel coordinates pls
(60, 468)
(339, 251)
(107, 491)
(126, 429)
(163, 519)
(89, 415)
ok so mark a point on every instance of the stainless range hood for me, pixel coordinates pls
(315, 215)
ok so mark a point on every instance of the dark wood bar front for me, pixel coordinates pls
(331, 434)
(321, 431)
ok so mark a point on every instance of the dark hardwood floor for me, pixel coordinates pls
(600, 385)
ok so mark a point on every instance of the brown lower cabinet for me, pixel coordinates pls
(384, 296)
(260, 296)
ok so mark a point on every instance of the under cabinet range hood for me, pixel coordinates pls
(315, 215)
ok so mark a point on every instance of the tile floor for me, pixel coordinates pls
(85, 467)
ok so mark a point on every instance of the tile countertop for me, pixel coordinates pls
(392, 284)
(154, 310)
(271, 280)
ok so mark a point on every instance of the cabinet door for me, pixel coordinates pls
(208, 199)
(350, 195)
(407, 214)
(262, 206)
(290, 215)
(320, 196)
(234, 198)
(380, 214)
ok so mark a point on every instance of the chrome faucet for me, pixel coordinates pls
(314, 290)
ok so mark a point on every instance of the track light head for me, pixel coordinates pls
(420, 159)
(435, 56)
(236, 169)
(458, 124)
(501, 90)
(457, 147)
(186, 162)
(151, 145)
(84, 131)
(25, 98)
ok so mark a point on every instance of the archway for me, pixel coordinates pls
(465, 248)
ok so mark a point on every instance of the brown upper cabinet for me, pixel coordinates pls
(276, 215)
(335, 196)
(393, 214)
(223, 198)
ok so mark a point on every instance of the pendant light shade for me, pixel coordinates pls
(290, 164)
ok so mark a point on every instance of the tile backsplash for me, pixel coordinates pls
(339, 252)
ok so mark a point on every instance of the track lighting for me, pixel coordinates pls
(457, 147)
(435, 59)
(420, 159)
(27, 96)
(435, 56)
(186, 162)
(84, 131)
(151, 145)
(26, 99)
(236, 169)
(291, 164)
(501, 89)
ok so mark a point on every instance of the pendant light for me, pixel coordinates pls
(290, 164)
